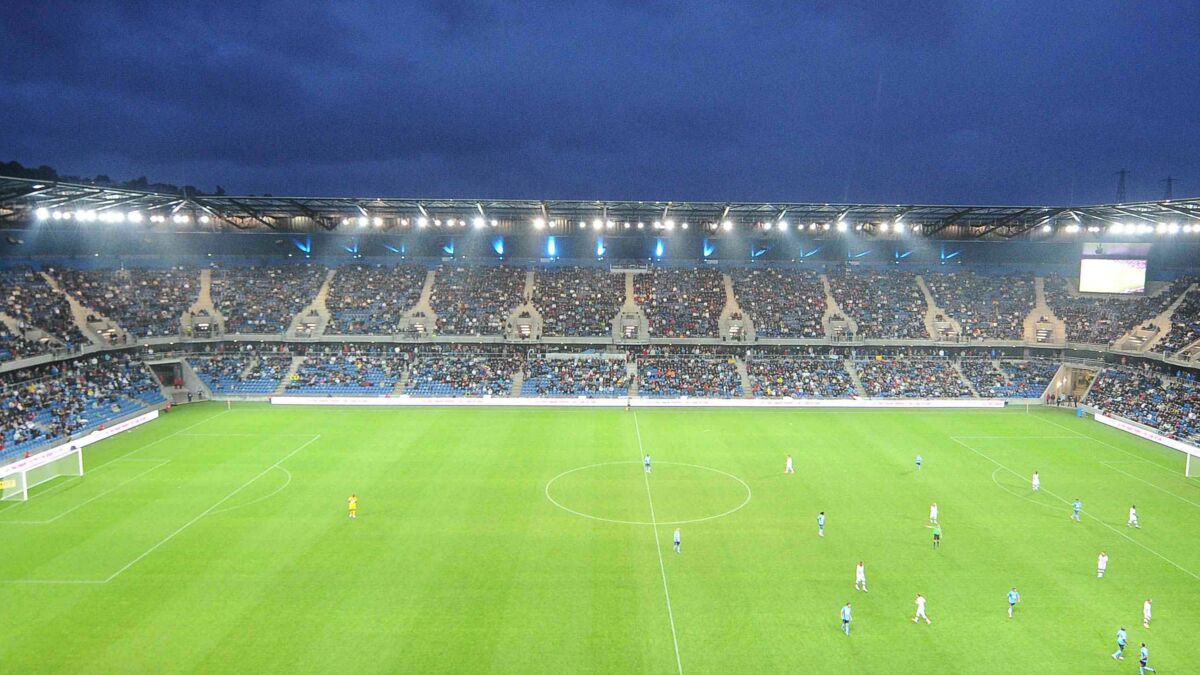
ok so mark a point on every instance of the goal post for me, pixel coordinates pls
(18, 478)
(1191, 465)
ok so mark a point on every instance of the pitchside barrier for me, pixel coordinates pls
(63, 460)
(636, 402)
(1139, 430)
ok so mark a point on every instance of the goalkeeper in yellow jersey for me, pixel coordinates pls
(352, 502)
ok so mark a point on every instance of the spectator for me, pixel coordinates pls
(987, 307)
(911, 378)
(264, 299)
(782, 303)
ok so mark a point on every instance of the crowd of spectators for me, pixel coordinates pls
(27, 297)
(371, 299)
(1104, 319)
(578, 301)
(476, 300)
(702, 373)
(264, 299)
(145, 302)
(41, 405)
(884, 304)
(782, 303)
(681, 302)
(242, 372)
(346, 374)
(1185, 325)
(792, 377)
(987, 307)
(462, 373)
(911, 378)
(1169, 405)
(577, 375)
(14, 346)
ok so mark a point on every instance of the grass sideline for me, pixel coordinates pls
(216, 540)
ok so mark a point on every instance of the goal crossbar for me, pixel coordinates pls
(17, 478)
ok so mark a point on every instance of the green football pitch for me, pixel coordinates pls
(528, 540)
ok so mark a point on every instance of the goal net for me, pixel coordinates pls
(18, 478)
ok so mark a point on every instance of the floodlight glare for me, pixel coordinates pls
(135, 217)
(727, 225)
(539, 223)
(42, 213)
(478, 222)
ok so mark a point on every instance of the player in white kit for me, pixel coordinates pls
(1101, 565)
(787, 467)
(933, 513)
(921, 610)
(860, 577)
(1146, 613)
(1037, 481)
(1133, 521)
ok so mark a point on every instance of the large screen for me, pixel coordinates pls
(1105, 275)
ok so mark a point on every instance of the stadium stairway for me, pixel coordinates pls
(312, 320)
(518, 381)
(422, 313)
(859, 390)
(1146, 334)
(745, 375)
(944, 328)
(631, 314)
(963, 378)
(726, 323)
(631, 376)
(1041, 324)
(525, 321)
(846, 326)
(96, 331)
(282, 388)
(204, 303)
(1190, 353)
(34, 334)
(402, 382)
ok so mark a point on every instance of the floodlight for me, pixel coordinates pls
(362, 221)
(641, 225)
(766, 226)
(883, 227)
(204, 219)
(478, 222)
(727, 225)
(42, 213)
(135, 217)
(1046, 227)
(669, 224)
(842, 226)
(539, 223)
(684, 226)
(783, 224)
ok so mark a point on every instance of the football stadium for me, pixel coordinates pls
(599, 337)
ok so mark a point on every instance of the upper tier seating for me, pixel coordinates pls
(1169, 405)
(264, 299)
(25, 296)
(782, 303)
(884, 304)
(1185, 325)
(911, 378)
(681, 302)
(583, 375)
(578, 301)
(798, 377)
(371, 299)
(145, 302)
(476, 300)
(1103, 319)
(46, 404)
(987, 307)
(13, 346)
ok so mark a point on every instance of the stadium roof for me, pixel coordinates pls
(25, 202)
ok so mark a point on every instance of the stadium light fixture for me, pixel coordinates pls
(627, 225)
(539, 223)
(657, 224)
(135, 216)
(684, 225)
(825, 227)
(641, 226)
(362, 221)
(42, 213)
(422, 221)
(204, 219)
(783, 224)
(669, 224)
(767, 226)
(478, 223)
(727, 225)
(812, 227)
(883, 227)
(608, 225)
(1172, 228)
(1046, 227)
(842, 226)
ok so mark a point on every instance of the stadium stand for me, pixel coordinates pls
(911, 378)
(50, 403)
(462, 372)
(798, 377)
(885, 304)
(241, 373)
(25, 296)
(1103, 319)
(681, 303)
(669, 373)
(346, 375)
(371, 299)
(986, 306)
(578, 301)
(589, 375)
(1008, 379)
(782, 303)
(1185, 325)
(264, 299)
(13, 346)
(476, 300)
(145, 302)
(1169, 405)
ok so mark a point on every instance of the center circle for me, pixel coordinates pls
(615, 492)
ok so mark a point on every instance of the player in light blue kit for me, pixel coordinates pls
(646, 462)
(1013, 598)
(821, 524)
(1122, 639)
(1143, 659)
(678, 541)
(1076, 508)
(846, 619)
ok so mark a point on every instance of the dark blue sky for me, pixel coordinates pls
(1014, 101)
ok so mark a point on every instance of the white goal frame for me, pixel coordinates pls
(17, 478)
(1190, 468)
